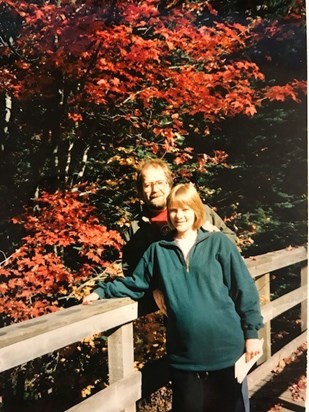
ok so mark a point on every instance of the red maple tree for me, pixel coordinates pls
(148, 77)
(64, 246)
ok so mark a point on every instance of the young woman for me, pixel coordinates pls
(212, 305)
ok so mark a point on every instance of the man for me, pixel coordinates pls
(154, 182)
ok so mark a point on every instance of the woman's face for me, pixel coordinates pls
(182, 218)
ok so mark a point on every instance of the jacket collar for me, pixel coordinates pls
(202, 234)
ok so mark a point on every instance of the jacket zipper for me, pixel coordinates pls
(188, 261)
(184, 260)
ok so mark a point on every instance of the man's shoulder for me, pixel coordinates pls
(135, 224)
(223, 242)
(138, 222)
(208, 209)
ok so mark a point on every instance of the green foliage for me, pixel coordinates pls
(273, 206)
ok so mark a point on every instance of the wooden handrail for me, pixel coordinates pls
(28, 340)
(284, 303)
(268, 262)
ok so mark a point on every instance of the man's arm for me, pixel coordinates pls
(138, 237)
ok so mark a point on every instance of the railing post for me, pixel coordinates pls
(121, 356)
(263, 286)
(303, 310)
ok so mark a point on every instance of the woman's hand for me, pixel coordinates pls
(90, 298)
(160, 300)
(253, 347)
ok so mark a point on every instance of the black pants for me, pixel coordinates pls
(216, 391)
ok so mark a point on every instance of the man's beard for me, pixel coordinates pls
(157, 203)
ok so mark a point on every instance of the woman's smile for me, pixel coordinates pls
(182, 218)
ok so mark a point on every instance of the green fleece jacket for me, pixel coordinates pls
(142, 233)
(212, 302)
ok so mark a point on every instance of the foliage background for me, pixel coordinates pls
(90, 88)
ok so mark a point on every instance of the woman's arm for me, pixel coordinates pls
(242, 288)
(133, 286)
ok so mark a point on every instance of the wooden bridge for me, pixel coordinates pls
(25, 341)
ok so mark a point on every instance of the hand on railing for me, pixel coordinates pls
(90, 298)
(253, 348)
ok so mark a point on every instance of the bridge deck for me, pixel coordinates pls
(285, 390)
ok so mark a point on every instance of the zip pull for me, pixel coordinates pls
(187, 263)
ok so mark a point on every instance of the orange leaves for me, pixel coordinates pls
(220, 156)
(95, 239)
(204, 160)
(143, 51)
(67, 220)
(144, 59)
(179, 160)
(281, 93)
(250, 110)
(250, 69)
(76, 117)
(65, 243)
(138, 14)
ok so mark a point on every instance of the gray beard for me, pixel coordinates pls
(157, 206)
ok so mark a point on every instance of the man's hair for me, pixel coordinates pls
(157, 164)
(186, 195)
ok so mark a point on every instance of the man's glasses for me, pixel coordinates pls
(160, 184)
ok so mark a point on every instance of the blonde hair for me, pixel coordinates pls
(186, 195)
(157, 164)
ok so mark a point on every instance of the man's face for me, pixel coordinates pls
(155, 188)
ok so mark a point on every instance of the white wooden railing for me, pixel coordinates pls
(22, 342)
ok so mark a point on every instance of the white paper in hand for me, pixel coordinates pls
(242, 367)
